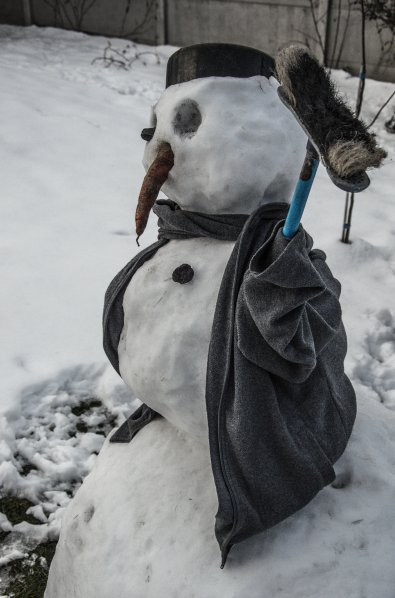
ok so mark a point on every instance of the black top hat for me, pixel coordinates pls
(217, 60)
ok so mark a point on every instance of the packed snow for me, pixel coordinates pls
(71, 154)
(163, 358)
(152, 534)
(256, 145)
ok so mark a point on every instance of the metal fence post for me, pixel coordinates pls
(161, 22)
(27, 12)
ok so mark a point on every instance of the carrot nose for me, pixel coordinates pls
(156, 175)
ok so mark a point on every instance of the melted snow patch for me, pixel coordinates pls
(51, 443)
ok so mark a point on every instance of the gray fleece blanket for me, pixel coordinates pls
(280, 408)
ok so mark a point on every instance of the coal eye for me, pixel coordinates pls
(147, 134)
(187, 118)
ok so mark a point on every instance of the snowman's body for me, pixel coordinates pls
(142, 524)
(166, 334)
(229, 157)
(244, 150)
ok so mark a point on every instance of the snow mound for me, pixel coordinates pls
(66, 226)
(142, 525)
(51, 444)
(376, 367)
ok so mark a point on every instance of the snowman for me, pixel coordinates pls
(235, 147)
(231, 336)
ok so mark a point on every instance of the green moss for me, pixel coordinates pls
(29, 575)
(3, 536)
(85, 407)
(14, 508)
(25, 466)
(81, 427)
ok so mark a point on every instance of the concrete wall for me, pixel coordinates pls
(272, 24)
(11, 12)
(380, 64)
(140, 20)
(265, 24)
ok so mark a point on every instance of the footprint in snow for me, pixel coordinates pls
(376, 369)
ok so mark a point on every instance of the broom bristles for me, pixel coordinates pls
(343, 141)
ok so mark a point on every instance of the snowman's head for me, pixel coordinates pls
(235, 145)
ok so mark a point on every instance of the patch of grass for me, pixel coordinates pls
(14, 508)
(85, 407)
(27, 467)
(90, 407)
(3, 535)
(81, 427)
(29, 575)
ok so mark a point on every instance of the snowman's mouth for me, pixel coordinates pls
(154, 179)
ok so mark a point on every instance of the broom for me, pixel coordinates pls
(336, 137)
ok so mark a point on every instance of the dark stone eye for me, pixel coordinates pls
(187, 118)
(147, 134)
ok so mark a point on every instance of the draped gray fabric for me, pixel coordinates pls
(280, 408)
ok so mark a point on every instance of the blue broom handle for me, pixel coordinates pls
(302, 191)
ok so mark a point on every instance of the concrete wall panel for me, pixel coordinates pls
(380, 62)
(11, 12)
(105, 17)
(266, 25)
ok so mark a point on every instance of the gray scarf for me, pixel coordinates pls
(280, 408)
(173, 223)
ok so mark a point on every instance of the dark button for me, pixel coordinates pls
(183, 274)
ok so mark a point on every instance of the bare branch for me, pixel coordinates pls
(125, 15)
(316, 21)
(381, 109)
(306, 36)
(344, 35)
(148, 16)
(89, 7)
(124, 58)
(65, 15)
(339, 8)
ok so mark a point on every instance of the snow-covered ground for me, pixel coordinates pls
(70, 156)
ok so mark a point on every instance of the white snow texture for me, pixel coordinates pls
(235, 147)
(141, 524)
(248, 147)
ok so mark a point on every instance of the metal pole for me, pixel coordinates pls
(161, 22)
(165, 23)
(362, 76)
(27, 12)
(329, 6)
(302, 190)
